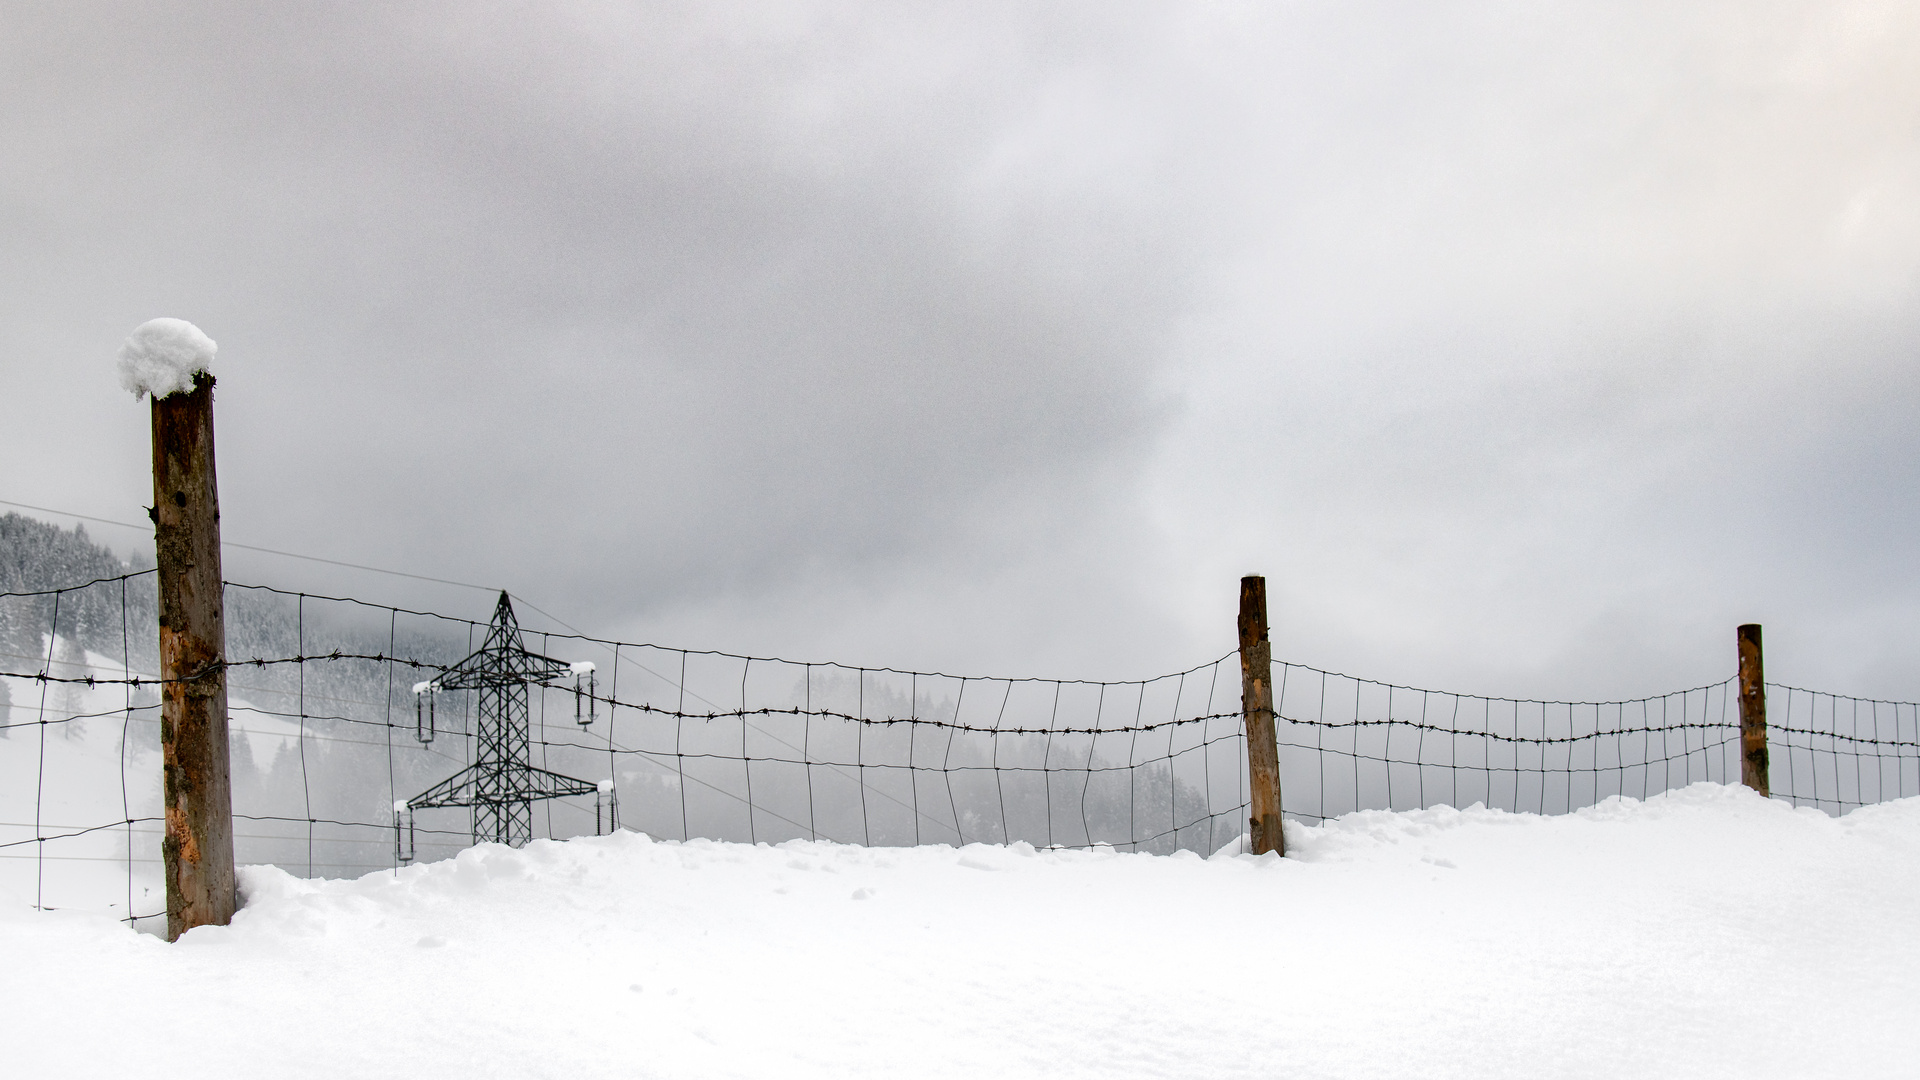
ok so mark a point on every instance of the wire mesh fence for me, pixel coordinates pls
(1349, 744)
(1839, 753)
(329, 737)
(330, 740)
(79, 746)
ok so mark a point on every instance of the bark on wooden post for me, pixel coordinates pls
(198, 845)
(1753, 711)
(1256, 704)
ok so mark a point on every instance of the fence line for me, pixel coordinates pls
(1349, 743)
(698, 743)
(328, 737)
(1811, 728)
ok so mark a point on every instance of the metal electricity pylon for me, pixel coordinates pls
(501, 786)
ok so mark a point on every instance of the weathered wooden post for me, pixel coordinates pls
(1256, 704)
(168, 358)
(1753, 712)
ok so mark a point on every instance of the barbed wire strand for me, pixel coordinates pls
(1520, 754)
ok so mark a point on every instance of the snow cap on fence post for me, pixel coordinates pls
(162, 356)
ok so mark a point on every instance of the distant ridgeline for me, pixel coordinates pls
(117, 619)
(309, 739)
(36, 556)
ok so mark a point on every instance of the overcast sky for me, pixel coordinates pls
(1526, 348)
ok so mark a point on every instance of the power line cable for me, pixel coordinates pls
(272, 551)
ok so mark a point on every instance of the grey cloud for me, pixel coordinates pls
(1524, 347)
(565, 290)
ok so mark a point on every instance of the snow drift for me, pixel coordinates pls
(1703, 933)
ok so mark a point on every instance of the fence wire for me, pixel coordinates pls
(327, 736)
(1349, 744)
(1839, 753)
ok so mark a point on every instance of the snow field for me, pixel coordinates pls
(1702, 933)
(90, 764)
(69, 772)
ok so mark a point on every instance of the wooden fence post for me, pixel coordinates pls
(198, 845)
(1256, 704)
(1753, 711)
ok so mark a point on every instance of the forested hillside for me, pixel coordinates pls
(309, 739)
(36, 556)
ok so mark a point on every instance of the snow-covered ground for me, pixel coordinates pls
(1703, 933)
(82, 769)
(94, 762)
